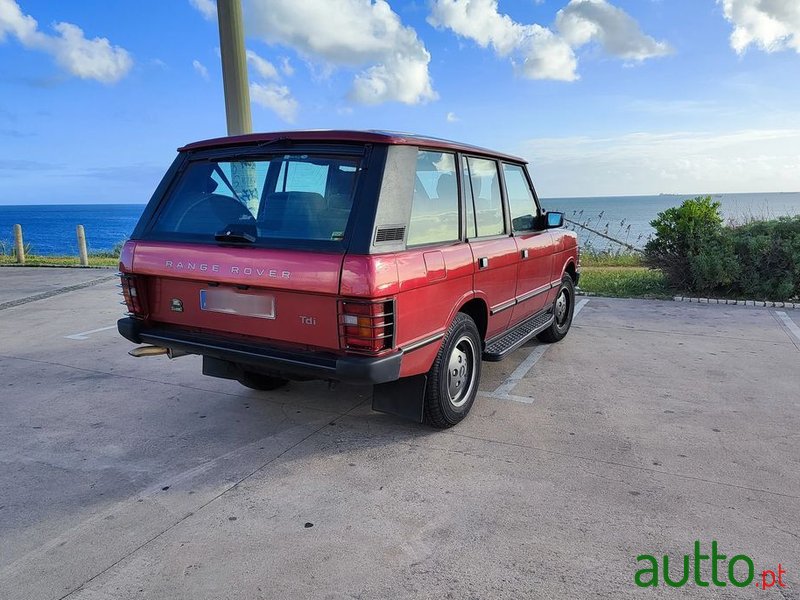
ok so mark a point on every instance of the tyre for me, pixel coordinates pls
(262, 383)
(563, 308)
(454, 376)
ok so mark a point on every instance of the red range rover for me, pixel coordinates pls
(371, 257)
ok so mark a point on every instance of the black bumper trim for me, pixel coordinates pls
(302, 364)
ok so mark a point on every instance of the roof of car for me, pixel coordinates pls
(344, 135)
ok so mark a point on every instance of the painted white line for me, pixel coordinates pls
(522, 370)
(790, 325)
(504, 391)
(84, 335)
(511, 397)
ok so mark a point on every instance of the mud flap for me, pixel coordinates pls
(404, 398)
(215, 367)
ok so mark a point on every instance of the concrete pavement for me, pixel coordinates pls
(652, 425)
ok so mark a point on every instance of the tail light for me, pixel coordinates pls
(133, 292)
(366, 326)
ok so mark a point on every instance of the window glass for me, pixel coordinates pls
(486, 193)
(520, 199)
(469, 203)
(305, 177)
(434, 211)
(293, 196)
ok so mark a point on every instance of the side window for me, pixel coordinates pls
(486, 193)
(434, 212)
(466, 187)
(520, 199)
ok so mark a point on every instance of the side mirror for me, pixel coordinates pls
(554, 220)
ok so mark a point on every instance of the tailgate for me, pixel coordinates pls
(279, 295)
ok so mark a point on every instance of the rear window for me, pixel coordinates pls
(290, 197)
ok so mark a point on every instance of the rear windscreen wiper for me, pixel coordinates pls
(234, 236)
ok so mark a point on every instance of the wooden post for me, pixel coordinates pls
(84, 255)
(18, 245)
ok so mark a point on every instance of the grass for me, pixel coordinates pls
(624, 282)
(593, 258)
(104, 259)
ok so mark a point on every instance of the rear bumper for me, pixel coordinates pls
(299, 364)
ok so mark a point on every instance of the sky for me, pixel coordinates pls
(617, 97)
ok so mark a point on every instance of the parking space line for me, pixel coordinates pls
(84, 335)
(503, 392)
(50, 294)
(790, 325)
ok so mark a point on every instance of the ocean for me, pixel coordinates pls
(50, 229)
(627, 218)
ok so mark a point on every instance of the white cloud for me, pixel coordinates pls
(207, 8)
(262, 66)
(452, 117)
(353, 33)
(201, 69)
(88, 59)
(771, 25)
(286, 66)
(584, 21)
(13, 21)
(480, 21)
(401, 78)
(683, 162)
(537, 51)
(543, 55)
(275, 97)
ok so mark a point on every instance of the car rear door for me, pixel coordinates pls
(534, 244)
(493, 249)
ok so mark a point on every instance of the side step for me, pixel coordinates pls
(498, 348)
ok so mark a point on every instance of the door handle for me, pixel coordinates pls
(483, 262)
(524, 253)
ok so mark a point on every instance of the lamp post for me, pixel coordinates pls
(237, 95)
(234, 67)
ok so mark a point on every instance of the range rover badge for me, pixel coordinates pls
(176, 305)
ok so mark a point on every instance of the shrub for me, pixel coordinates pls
(696, 253)
(769, 258)
(690, 246)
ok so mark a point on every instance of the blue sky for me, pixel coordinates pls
(604, 98)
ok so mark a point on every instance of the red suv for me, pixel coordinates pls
(365, 257)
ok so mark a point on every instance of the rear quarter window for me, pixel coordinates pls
(434, 211)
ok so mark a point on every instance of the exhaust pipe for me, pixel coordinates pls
(156, 351)
(148, 351)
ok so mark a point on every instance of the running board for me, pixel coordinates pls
(512, 339)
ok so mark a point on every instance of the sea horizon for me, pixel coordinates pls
(49, 229)
(541, 197)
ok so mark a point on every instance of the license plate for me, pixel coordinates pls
(233, 302)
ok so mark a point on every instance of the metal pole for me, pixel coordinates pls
(234, 67)
(84, 255)
(18, 245)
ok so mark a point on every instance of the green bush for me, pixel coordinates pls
(690, 248)
(768, 253)
(696, 253)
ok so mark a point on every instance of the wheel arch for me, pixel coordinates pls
(571, 270)
(478, 311)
